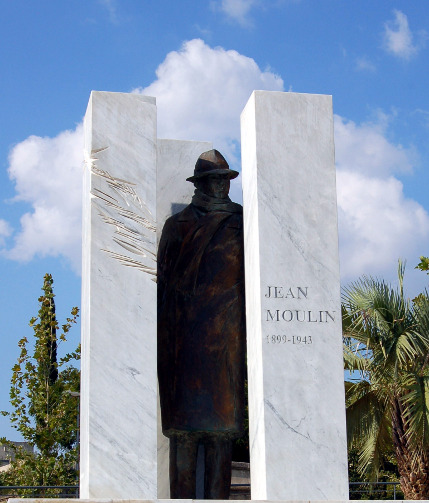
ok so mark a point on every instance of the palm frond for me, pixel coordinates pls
(421, 308)
(354, 360)
(386, 339)
(416, 405)
(376, 442)
(363, 407)
(379, 316)
(368, 425)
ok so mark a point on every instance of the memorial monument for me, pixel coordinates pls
(133, 182)
(296, 394)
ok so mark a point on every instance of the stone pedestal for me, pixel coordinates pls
(119, 384)
(296, 385)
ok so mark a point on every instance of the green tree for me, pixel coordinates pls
(44, 411)
(423, 265)
(386, 342)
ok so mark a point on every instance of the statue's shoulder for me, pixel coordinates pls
(176, 225)
(237, 216)
(186, 215)
(236, 221)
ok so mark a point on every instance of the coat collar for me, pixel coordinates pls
(187, 215)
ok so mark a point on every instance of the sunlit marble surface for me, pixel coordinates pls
(296, 390)
(118, 394)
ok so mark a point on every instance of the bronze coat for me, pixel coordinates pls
(201, 322)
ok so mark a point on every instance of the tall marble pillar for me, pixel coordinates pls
(296, 385)
(119, 384)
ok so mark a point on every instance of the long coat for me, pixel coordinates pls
(201, 322)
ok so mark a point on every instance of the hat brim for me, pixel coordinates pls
(230, 173)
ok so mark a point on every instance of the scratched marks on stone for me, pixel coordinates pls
(121, 207)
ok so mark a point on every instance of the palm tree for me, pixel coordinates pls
(386, 342)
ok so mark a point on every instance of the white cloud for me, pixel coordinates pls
(201, 92)
(48, 175)
(237, 10)
(398, 38)
(365, 148)
(5, 231)
(377, 223)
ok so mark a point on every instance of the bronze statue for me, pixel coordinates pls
(201, 331)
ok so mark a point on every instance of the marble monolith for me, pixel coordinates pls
(296, 385)
(119, 383)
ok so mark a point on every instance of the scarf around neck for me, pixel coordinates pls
(209, 203)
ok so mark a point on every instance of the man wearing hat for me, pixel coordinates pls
(201, 331)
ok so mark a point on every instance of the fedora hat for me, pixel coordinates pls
(211, 163)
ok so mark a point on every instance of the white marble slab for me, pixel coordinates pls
(118, 394)
(296, 386)
(175, 162)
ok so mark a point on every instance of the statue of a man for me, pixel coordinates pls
(201, 331)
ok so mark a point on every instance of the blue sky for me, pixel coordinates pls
(201, 59)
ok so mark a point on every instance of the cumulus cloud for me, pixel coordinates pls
(365, 148)
(5, 231)
(398, 38)
(201, 92)
(377, 223)
(47, 173)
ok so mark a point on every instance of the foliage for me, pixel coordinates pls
(423, 265)
(44, 412)
(386, 343)
(36, 469)
(361, 489)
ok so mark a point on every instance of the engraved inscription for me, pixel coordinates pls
(294, 339)
(292, 297)
(298, 315)
(281, 292)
